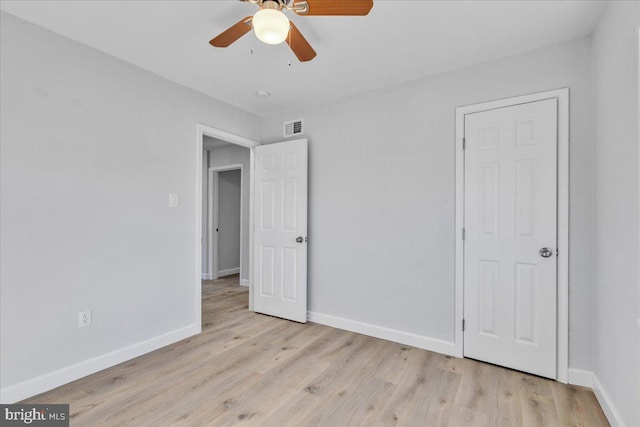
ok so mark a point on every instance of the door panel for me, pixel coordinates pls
(510, 214)
(280, 268)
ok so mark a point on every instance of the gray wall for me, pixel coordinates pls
(617, 332)
(381, 193)
(235, 154)
(90, 148)
(229, 220)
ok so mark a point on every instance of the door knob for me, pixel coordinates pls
(546, 252)
(299, 239)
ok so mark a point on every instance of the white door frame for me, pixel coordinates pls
(201, 131)
(638, 65)
(212, 218)
(562, 95)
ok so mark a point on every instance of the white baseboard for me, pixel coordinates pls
(408, 338)
(207, 276)
(51, 380)
(581, 377)
(244, 282)
(589, 379)
(609, 409)
(228, 272)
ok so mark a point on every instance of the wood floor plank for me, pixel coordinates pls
(254, 370)
(576, 406)
(538, 404)
(441, 407)
(345, 388)
(411, 381)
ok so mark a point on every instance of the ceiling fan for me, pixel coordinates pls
(272, 26)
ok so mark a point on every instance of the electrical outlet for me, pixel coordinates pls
(84, 318)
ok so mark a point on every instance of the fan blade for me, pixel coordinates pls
(232, 34)
(299, 45)
(334, 7)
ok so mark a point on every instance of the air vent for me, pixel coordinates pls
(292, 128)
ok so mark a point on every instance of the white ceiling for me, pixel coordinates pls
(398, 41)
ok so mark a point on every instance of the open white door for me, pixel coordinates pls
(510, 220)
(280, 238)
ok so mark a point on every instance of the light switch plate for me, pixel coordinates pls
(173, 200)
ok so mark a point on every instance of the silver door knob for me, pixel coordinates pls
(546, 252)
(299, 239)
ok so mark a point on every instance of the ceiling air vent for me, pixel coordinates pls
(292, 128)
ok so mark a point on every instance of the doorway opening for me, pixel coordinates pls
(226, 228)
(215, 154)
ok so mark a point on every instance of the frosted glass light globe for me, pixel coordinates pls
(271, 26)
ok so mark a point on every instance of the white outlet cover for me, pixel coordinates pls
(84, 318)
(174, 200)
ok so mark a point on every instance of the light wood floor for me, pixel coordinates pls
(251, 369)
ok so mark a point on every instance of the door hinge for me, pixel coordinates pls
(464, 143)
(464, 234)
(463, 325)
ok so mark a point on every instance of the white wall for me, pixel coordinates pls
(229, 220)
(90, 148)
(381, 193)
(229, 155)
(617, 214)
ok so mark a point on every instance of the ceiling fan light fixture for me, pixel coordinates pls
(271, 26)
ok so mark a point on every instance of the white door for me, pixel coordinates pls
(280, 239)
(510, 237)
